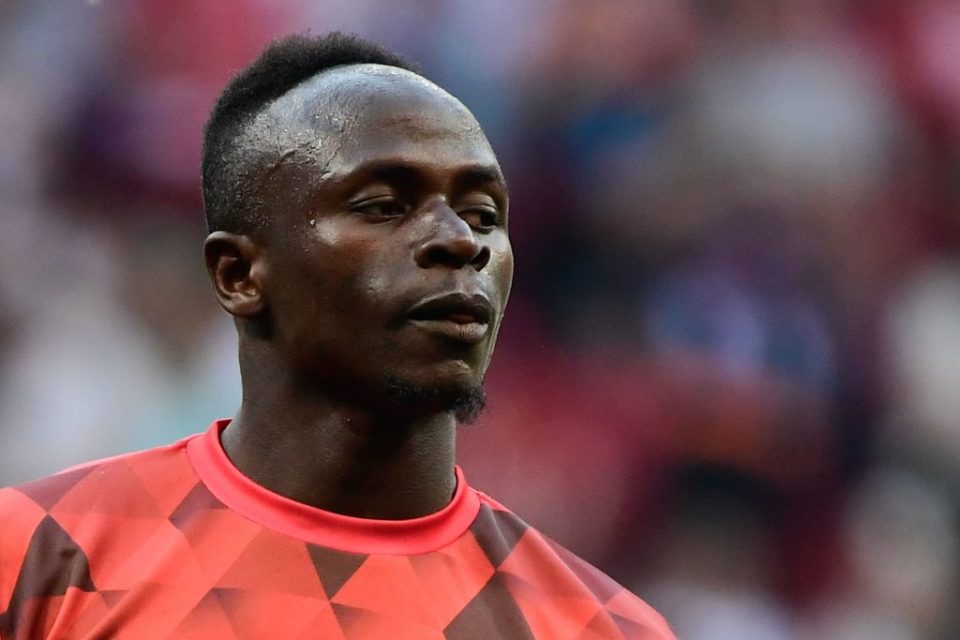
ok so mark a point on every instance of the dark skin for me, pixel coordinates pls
(385, 263)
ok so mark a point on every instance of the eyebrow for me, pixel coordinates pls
(467, 177)
(479, 175)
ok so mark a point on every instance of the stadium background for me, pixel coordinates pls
(729, 372)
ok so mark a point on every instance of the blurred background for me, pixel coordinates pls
(730, 372)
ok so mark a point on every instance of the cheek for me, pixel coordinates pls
(372, 280)
(501, 268)
(350, 271)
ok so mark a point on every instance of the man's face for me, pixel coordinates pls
(389, 263)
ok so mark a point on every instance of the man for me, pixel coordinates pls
(358, 236)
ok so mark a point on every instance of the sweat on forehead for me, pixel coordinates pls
(332, 101)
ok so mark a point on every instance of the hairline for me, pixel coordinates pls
(365, 69)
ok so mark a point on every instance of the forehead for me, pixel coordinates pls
(363, 113)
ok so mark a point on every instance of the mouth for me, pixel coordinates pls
(458, 317)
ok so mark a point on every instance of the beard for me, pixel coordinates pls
(465, 403)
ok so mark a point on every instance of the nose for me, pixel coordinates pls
(450, 242)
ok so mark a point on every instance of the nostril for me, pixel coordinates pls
(481, 259)
(439, 255)
(444, 256)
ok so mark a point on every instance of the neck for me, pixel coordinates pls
(338, 457)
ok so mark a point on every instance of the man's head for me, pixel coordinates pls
(358, 227)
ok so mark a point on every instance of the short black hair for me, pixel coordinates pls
(283, 65)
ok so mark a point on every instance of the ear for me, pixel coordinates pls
(237, 269)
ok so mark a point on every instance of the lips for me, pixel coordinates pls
(456, 316)
(456, 307)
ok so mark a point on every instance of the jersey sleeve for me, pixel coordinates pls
(636, 618)
(19, 518)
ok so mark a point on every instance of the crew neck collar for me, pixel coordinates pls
(325, 528)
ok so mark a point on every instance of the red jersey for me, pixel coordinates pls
(174, 542)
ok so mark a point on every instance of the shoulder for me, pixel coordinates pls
(101, 483)
(21, 517)
(109, 486)
(48, 521)
(545, 576)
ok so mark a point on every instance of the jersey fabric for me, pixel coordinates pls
(175, 542)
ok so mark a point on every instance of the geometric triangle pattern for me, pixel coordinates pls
(492, 613)
(138, 546)
(40, 579)
(333, 567)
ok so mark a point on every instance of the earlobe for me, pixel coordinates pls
(236, 266)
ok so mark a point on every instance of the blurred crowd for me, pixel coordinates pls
(730, 370)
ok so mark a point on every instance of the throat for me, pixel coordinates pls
(349, 465)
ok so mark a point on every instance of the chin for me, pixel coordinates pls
(465, 399)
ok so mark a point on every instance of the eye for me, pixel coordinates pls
(481, 217)
(383, 207)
